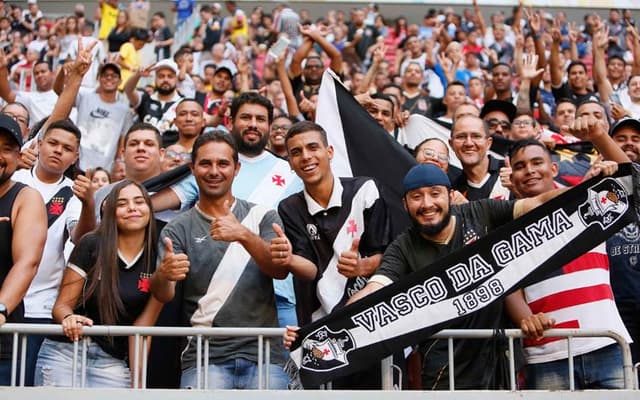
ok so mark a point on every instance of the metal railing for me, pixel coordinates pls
(264, 337)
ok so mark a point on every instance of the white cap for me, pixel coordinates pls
(167, 63)
(32, 1)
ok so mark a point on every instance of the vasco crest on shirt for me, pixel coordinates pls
(325, 350)
(607, 201)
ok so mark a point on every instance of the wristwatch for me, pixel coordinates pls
(4, 311)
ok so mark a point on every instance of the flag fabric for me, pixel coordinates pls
(514, 255)
(166, 179)
(361, 146)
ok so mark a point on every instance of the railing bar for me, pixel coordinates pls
(198, 361)
(136, 360)
(260, 360)
(145, 356)
(83, 361)
(512, 365)
(572, 383)
(14, 358)
(206, 363)
(452, 378)
(267, 362)
(23, 358)
(74, 364)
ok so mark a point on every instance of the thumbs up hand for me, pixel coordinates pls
(280, 247)
(83, 189)
(28, 156)
(174, 267)
(505, 174)
(226, 227)
(349, 262)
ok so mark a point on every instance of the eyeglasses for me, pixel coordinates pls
(182, 156)
(313, 66)
(18, 119)
(493, 123)
(280, 127)
(475, 137)
(430, 153)
(524, 122)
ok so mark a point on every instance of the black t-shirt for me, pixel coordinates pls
(422, 105)
(133, 289)
(565, 92)
(369, 36)
(117, 39)
(161, 35)
(411, 252)
(213, 33)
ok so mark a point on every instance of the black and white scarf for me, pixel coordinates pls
(419, 305)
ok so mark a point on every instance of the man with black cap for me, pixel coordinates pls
(103, 112)
(23, 231)
(438, 229)
(498, 115)
(221, 82)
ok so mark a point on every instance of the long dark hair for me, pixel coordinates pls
(104, 277)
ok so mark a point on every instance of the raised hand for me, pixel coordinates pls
(82, 187)
(226, 227)
(146, 71)
(280, 247)
(587, 128)
(349, 261)
(601, 38)
(378, 53)
(574, 33)
(534, 20)
(529, 64)
(306, 105)
(83, 60)
(290, 336)
(174, 267)
(505, 175)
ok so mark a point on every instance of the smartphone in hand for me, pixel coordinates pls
(279, 47)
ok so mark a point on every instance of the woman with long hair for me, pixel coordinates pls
(106, 282)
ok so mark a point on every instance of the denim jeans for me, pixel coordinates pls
(54, 367)
(599, 369)
(238, 373)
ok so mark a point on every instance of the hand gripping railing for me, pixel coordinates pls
(265, 335)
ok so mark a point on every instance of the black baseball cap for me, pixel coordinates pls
(625, 122)
(112, 66)
(11, 127)
(506, 107)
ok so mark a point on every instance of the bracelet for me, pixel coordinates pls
(67, 316)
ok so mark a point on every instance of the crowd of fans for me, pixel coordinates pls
(483, 103)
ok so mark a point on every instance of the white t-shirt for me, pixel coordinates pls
(101, 124)
(43, 291)
(629, 105)
(39, 104)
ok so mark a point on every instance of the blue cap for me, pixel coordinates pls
(423, 175)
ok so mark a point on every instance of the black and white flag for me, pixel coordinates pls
(361, 146)
(515, 255)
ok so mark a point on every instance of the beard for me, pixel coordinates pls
(430, 229)
(165, 92)
(249, 148)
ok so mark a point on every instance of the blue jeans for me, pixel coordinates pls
(599, 369)
(54, 367)
(238, 373)
(33, 347)
(5, 372)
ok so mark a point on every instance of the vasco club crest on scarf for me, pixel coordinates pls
(607, 201)
(325, 350)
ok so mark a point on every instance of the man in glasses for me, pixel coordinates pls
(524, 126)
(174, 156)
(498, 115)
(470, 141)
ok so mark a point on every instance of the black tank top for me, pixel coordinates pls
(6, 261)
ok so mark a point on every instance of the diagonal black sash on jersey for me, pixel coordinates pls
(57, 204)
(424, 302)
